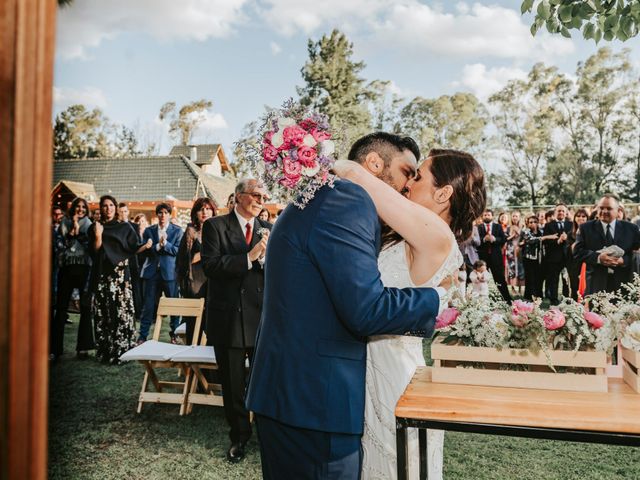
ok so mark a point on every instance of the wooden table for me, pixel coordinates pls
(612, 417)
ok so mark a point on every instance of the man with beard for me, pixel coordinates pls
(492, 239)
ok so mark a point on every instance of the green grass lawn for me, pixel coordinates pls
(94, 433)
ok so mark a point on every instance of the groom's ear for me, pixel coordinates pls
(373, 163)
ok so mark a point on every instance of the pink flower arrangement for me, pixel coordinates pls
(520, 311)
(296, 153)
(554, 319)
(447, 317)
(594, 320)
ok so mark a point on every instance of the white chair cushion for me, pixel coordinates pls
(154, 351)
(182, 329)
(195, 354)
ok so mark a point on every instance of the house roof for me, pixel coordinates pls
(135, 178)
(205, 154)
(79, 189)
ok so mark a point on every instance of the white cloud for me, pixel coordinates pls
(86, 24)
(88, 96)
(275, 48)
(210, 121)
(483, 82)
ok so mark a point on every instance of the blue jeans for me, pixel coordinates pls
(152, 289)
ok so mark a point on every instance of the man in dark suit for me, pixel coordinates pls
(233, 247)
(605, 272)
(492, 239)
(556, 251)
(323, 298)
(159, 270)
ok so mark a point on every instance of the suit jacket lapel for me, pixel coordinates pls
(617, 233)
(235, 233)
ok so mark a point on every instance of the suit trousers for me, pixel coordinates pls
(552, 278)
(532, 279)
(497, 272)
(153, 288)
(69, 278)
(233, 378)
(290, 452)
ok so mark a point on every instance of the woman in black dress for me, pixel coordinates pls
(189, 272)
(75, 265)
(531, 247)
(112, 243)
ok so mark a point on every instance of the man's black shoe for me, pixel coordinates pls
(236, 452)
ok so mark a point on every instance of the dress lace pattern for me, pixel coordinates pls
(391, 362)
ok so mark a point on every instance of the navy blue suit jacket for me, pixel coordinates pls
(323, 298)
(161, 262)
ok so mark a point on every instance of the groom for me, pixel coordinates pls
(323, 298)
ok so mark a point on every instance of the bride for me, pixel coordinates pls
(442, 201)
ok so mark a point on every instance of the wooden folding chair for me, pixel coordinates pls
(154, 354)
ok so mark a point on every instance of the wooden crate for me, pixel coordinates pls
(451, 365)
(631, 367)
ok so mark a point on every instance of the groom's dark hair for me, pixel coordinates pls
(384, 144)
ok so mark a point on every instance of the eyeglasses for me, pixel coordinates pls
(258, 197)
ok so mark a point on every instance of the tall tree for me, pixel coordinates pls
(248, 141)
(183, 122)
(525, 119)
(458, 121)
(384, 105)
(81, 133)
(597, 19)
(596, 124)
(334, 87)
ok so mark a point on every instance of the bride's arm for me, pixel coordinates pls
(421, 228)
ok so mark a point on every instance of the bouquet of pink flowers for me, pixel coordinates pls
(296, 153)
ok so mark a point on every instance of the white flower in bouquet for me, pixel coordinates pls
(284, 122)
(278, 139)
(309, 141)
(327, 147)
(631, 338)
(311, 171)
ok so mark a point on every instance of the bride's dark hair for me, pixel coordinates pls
(469, 198)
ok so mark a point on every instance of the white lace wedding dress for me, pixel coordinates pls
(391, 362)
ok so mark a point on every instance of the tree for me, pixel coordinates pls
(333, 87)
(247, 142)
(125, 143)
(596, 124)
(81, 133)
(384, 105)
(183, 123)
(525, 119)
(597, 19)
(458, 121)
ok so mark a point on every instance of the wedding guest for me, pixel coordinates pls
(112, 243)
(492, 239)
(56, 245)
(233, 249)
(622, 213)
(140, 221)
(160, 245)
(503, 221)
(75, 265)
(575, 268)
(189, 272)
(480, 278)
(531, 244)
(606, 272)
(542, 220)
(134, 266)
(231, 202)
(469, 249)
(515, 273)
(264, 215)
(95, 215)
(556, 251)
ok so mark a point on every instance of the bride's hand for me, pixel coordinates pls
(346, 169)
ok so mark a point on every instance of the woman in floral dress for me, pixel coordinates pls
(113, 310)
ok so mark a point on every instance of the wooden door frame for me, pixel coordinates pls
(27, 42)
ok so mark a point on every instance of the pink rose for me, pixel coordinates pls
(306, 156)
(447, 317)
(520, 307)
(268, 136)
(519, 320)
(269, 153)
(319, 135)
(553, 319)
(307, 124)
(593, 319)
(293, 136)
(292, 172)
(289, 182)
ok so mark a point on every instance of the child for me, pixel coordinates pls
(480, 277)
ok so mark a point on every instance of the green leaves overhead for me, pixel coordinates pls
(597, 19)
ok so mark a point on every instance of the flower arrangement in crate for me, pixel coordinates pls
(295, 154)
(628, 320)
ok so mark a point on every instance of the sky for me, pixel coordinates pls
(129, 57)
